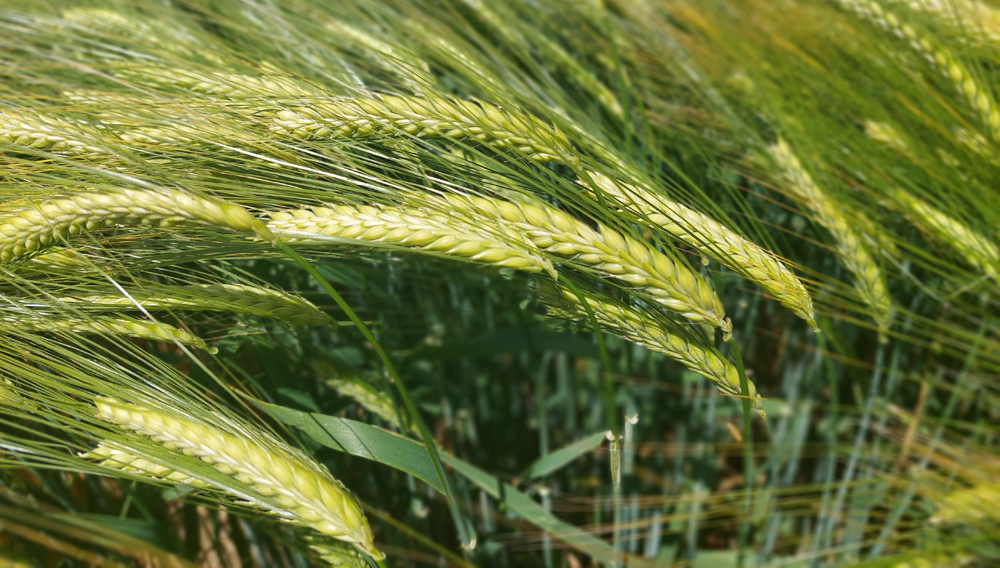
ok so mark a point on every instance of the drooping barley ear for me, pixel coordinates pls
(49, 133)
(977, 95)
(978, 250)
(886, 134)
(339, 555)
(230, 297)
(554, 52)
(10, 397)
(107, 454)
(854, 254)
(411, 70)
(308, 495)
(168, 36)
(977, 143)
(665, 280)
(713, 239)
(638, 328)
(978, 22)
(409, 227)
(430, 117)
(26, 228)
(232, 86)
(103, 325)
(973, 505)
(372, 400)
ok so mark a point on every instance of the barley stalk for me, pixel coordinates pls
(640, 329)
(713, 239)
(977, 95)
(307, 493)
(431, 117)
(232, 297)
(668, 282)
(26, 228)
(409, 227)
(869, 280)
(49, 133)
(978, 250)
(119, 325)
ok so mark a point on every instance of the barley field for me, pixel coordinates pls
(499, 283)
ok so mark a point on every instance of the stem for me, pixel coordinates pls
(744, 530)
(609, 390)
(429, 444)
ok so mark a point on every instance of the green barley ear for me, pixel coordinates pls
(107, 454)
(307, 493)
(339, 555)
(886, 134)
(425, 117)
(26, 228)
(978, 250)
(231, 86)
(854, 254)
(643, 330)
(713, 239)
(977, 95)
(102, 325)
(372, 400)
(974, 505)
(410, 227)
(238, 298)
(666, 281)
(49, 133)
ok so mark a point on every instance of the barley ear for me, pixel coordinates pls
(714, 240)
(425, 117)
(664, 280)
(869, 281)
(25, 229)
(410, 227)
(105, 325)
(304, 491)
(643, 330)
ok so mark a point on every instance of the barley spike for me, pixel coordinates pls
(49, 133)
(119, 325)
(24, 229)
(108, 455)
(231, 297)
(713, 239)
(409, 227)
(307, 493)
(432, 117)
(854, 254)
(640, 329)
(668, 282)
(979, 251)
